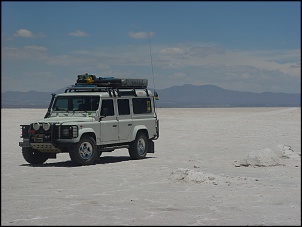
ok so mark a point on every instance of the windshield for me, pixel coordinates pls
(76, 103)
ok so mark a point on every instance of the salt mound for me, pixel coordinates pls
(262, 158)
(195, 176)
(188, 175)
(286, 151)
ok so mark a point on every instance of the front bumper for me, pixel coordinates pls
(42, 147)
(24, 144)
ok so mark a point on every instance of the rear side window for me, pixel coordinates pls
(141, 105)
(123, 106)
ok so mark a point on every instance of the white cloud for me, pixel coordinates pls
(140, 35)
(176, 65)
(204, 51)
(25, 33)
(173, 51)
(199, 55)
(25, 53)
(31, 80)
(78, 33)
(36, 48)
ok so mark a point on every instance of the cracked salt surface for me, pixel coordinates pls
(191, 179)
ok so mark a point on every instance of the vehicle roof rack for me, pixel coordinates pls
(111, 82)
(111, 85)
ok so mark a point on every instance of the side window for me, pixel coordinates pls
(123, 106)
(141, 105)
(107, 107)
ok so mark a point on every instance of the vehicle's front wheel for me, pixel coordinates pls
(84, 152)
(139, 147)
(34, 156)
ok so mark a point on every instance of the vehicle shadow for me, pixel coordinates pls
(103, 160)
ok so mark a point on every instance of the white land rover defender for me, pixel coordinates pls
(93, 116)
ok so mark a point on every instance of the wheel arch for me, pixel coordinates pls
(138, 129)
(90, 134)
(87, 132)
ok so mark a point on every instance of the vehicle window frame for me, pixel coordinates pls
(103, 111)
(73, 103)
(121, 107)
(142, 105)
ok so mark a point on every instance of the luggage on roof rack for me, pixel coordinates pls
(111, 82)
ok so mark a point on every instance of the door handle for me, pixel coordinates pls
(114, 126)
(129, 124)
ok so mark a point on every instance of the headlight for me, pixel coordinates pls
(65, 132)
(68, 131)
(46, 126)
(36, 126)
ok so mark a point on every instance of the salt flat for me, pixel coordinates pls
(211, 166)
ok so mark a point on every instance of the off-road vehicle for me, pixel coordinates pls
(95, 115)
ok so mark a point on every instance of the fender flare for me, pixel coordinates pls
(138, 128)
(85, 131)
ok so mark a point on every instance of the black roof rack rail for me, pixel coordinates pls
(111, 91)
(111, 85)
(111, 82)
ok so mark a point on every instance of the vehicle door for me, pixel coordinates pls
(124, 119)
(109, 123)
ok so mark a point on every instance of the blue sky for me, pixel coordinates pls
(243, 46)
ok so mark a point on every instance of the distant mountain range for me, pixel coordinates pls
(213, 96)
(187, 95)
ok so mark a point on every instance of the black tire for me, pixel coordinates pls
(84, 152)
(33, 156)
(138, 149)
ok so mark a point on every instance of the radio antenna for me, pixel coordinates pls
(151, 60)
(155, 93)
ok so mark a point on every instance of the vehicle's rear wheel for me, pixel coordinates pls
(34, 156)
(84, 152)
(138, 149)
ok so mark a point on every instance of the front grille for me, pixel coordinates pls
(42, 136)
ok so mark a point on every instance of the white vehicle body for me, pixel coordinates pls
(112, 118)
